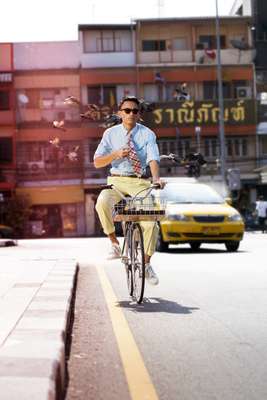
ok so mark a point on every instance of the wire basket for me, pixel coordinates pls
(139, 209)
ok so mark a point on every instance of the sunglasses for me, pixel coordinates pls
(129, 110)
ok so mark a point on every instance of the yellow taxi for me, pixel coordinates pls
(195, 214)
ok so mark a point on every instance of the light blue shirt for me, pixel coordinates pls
(116, 137)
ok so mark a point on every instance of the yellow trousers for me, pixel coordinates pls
(108, 198)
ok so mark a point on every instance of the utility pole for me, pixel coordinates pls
(220, 96)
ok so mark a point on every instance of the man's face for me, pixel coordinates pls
(129, 113)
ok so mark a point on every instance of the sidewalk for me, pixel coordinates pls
(36, 289)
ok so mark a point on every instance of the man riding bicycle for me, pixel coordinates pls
(129, 147)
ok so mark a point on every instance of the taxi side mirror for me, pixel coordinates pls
(228, 200)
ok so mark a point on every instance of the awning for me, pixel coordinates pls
(53, 194)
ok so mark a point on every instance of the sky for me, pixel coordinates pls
(53, 20)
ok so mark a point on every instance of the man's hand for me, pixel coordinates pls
(103, 161)
(121, 153)
(159, 182)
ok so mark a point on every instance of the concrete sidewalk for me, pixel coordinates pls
(36, 289)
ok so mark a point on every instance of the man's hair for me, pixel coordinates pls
(129, 98)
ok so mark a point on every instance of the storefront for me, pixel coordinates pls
(56, 211)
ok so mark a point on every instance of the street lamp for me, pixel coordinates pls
(220, 95)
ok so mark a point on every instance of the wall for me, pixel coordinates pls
(46, 55)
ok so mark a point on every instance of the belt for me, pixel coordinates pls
(131, 176)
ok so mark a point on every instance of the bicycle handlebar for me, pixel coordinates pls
(173, 157)
(153, 186)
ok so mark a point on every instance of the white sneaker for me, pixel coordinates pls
(151, 275)
(115, 252)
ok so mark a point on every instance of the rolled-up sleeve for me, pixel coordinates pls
(152, 149)
(104, 147)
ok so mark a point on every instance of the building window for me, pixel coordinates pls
(151, 92)
(69, 218)
(179, 43)
(4, 100)
(264, 145)
(6, 154)
(102, 41)
(170, 91)
(94, 94)
(101, 94)
(236, 147)
(210, 90)
(181, 147)
(153, 45)
(209, 42)
(211, 149)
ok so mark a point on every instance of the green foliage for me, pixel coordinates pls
(15, 213)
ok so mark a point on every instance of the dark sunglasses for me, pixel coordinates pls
(129, 110)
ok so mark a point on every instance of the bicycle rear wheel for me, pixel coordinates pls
(138, 263)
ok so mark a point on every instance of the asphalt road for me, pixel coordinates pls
(201, 334)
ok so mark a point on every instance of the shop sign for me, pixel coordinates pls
(188, 113)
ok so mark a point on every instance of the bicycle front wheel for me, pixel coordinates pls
(138, 263)
(126, 257)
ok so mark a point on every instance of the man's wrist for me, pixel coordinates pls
(155, 178)
(115, 155)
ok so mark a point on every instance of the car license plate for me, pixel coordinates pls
(211, 230)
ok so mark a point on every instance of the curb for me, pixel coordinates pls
(32, 359)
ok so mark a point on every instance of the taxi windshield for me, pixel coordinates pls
(188, 193)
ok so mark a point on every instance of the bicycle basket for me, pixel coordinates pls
(139, 209)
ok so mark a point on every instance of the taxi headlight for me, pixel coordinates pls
(178, 217)
(235, 217)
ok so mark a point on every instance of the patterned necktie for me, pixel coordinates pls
(133, 157)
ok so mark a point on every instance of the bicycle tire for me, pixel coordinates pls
(126, 257)
(138, 263)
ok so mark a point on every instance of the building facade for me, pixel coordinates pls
(7, 123)
(152, 59)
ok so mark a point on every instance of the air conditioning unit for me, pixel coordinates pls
(243, 92)
(36, 166)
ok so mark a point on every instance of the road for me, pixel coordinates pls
(200, 335)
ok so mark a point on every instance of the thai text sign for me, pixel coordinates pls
(201, 113)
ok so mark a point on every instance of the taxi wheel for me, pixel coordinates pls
(195, 245)
(161, 246)
(232, 245)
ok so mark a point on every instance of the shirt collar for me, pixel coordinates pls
(132, 132)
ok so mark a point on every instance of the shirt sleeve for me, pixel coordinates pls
(152, 148)
(104, 147)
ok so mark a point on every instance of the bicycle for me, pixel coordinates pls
(130, 212)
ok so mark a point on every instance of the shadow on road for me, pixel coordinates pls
(156, 304)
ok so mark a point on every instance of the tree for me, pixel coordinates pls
(16, 211)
